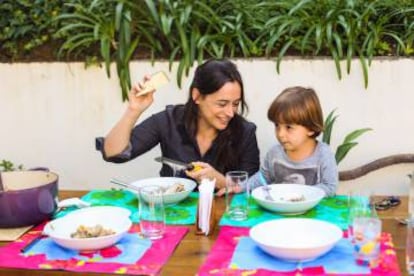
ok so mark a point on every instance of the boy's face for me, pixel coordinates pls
(293, 137)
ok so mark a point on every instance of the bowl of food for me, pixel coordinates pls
(288, 199)
(90, 228)
(175, 189)
(296, 239)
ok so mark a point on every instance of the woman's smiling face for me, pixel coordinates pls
(217, 109)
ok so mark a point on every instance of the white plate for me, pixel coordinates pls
(281, 194)
(296, 239)
(110, 217)
(166, 182)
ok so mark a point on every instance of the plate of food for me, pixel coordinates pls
(288, 199)
(89, 228)
(175, 189)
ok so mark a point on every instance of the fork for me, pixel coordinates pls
(268, 196)
(265, 188)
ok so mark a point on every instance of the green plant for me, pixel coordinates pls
(26, 25)
(341, 29)
(349, 141)
(189, 31)
(6, 166)
(103, 23)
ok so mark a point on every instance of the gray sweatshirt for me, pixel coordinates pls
(319, 169)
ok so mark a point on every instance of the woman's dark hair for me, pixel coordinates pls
(208, 78)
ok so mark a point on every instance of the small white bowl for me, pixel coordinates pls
(165, 182)
(296, 239)
(281, 193)
(109, 217)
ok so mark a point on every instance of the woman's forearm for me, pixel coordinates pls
(118, 138)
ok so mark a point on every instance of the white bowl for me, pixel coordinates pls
(296, 239)
(110, 217)
(166, 182)
(281, 193)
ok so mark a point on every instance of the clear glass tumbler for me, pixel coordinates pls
(237, 210)
(151, 212)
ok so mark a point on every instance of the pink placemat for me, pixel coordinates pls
(234, 253)
(132, 255)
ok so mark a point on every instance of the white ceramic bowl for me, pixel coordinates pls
(296, 239)
(110, 217)
(282, 193)
(166, 182)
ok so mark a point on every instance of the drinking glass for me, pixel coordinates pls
(366, 238)
(359, 205)
(234, 181)
(151, 212)
(365, 228)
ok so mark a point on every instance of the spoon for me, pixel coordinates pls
(265, 188)
(123, 184)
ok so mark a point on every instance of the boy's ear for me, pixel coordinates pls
(195, 94)
(311, 133)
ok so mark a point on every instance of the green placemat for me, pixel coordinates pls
(182, 213)
(331, 209)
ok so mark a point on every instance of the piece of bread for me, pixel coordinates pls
(157, 80)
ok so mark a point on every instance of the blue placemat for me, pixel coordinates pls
(339, 259)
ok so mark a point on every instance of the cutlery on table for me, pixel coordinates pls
(28, 246)
(265, 188)
(124, 184)
(73, 201)
(174, 163)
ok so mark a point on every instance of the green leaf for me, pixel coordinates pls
(364, 70)
(105, 53)
(328, 126)
(355, 134)
(337, 62)
(342, 151)
(282, 53)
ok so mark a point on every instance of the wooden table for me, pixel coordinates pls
(193, 249)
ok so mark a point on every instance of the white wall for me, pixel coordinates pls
(51, 113)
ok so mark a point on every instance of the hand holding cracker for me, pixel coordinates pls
(155, 81)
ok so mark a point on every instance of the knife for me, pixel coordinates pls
(174, 163)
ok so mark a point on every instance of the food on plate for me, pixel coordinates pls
(293, 197)
(84, 232)
(175, 188)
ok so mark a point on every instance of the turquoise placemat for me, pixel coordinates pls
(331, 209)
(182, 213)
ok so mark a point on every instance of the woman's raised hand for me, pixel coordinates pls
(140, 103)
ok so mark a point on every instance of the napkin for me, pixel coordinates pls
(205, 204)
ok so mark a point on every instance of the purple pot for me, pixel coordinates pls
(28, 197)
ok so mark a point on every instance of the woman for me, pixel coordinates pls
(207, 131)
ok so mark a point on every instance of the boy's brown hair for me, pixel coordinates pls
(297, 105)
